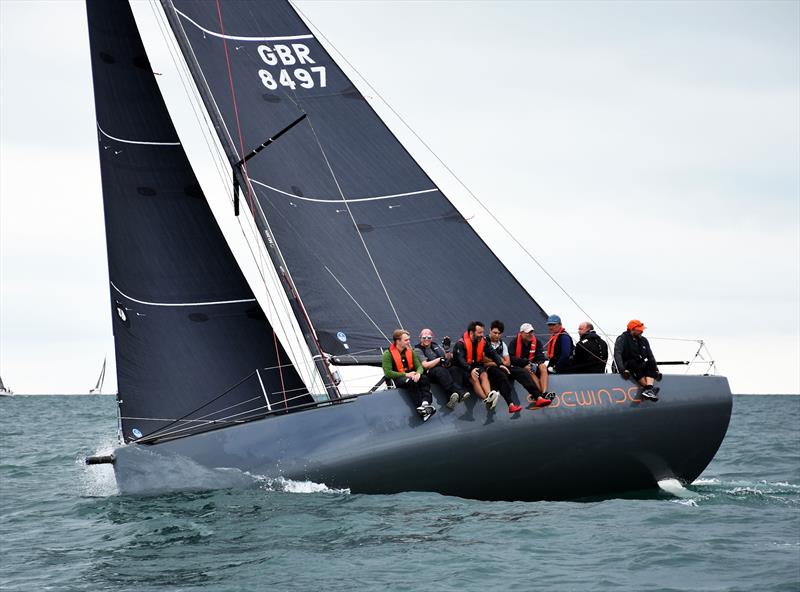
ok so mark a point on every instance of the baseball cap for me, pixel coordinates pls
(636, 324)
(525, 328)
(554, 320)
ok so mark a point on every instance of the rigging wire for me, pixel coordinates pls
(355, 224)
(449, 170)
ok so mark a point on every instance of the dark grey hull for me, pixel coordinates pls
(597, 438)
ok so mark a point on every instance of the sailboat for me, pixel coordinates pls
(5, 392)
(263, 227)
(98, 387)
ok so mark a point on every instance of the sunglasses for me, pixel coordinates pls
(427, 337)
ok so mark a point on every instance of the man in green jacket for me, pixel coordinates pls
(402, 366)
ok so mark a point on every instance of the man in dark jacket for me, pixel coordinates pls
(559, 345)
(529, 366)
(438, 365)
(634, 358)
(591, 352)
(500, 375)
(469, 354)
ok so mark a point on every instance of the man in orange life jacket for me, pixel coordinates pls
(402, 366)
(559, 345)
(499, 375)
(634, 358)
(529, 366)
(468, 354)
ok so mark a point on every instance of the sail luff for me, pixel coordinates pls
(211, 152)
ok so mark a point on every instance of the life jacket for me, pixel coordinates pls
(398, 362)
(478, 358)
(531, 352)
(551, 343)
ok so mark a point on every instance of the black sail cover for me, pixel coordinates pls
(370, 241)
(188, 332)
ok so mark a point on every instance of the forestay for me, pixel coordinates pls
(370, 242)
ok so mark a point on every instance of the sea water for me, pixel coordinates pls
(64, 526)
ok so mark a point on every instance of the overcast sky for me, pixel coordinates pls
(648, 152)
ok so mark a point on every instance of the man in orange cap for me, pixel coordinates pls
(634, 358)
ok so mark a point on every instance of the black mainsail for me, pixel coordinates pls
(193, 348)
(370, 241)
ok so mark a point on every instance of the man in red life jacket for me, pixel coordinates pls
(529, 366)
(559, 345)
(468, 354)
(499, 374)
(402, 366)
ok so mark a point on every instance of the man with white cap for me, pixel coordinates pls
(529, 366)
(634, 359)
(559, 345)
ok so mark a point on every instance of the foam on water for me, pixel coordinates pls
(676, 488)
(290, 486)
(152, 472)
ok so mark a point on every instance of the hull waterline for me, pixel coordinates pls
(597, 438)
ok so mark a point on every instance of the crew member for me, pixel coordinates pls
(634, 358)
(438, 365)
(402, 366)
(468, 355)
(499, 374)
(529, 366)
(591, 352)
(559, 345)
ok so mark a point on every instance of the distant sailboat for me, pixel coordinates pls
(98, 387)
(5, 392)
(227, 320)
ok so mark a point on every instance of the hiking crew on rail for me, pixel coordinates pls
(489, 367)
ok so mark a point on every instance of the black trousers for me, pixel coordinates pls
(447, 378)
(418, 391)
(646, 369)
(522, 376)
(499, 381)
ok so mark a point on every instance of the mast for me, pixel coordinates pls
(240, 182)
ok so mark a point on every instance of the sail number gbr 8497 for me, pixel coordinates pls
(296, 67)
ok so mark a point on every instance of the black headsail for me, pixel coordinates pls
(193, 348)
(369, 240)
